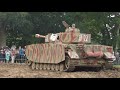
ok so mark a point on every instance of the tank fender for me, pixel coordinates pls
(109, 56)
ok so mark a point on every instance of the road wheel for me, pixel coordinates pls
(41, 66)
(37, 66)
(52, 67)
(48, 67)
(44, 66)
(61, 68)
(33, 66)
(56, 67)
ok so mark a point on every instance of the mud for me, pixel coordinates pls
(23, 71)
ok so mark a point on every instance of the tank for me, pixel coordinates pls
(64, 51)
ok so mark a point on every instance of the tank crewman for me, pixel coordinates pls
(75, 29)
(73, 26)
(72, 29)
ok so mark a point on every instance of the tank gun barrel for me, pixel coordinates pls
(39, 36)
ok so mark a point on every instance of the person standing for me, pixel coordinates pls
(7, 55)
(13, 55)
(21, 53)
(2, 54)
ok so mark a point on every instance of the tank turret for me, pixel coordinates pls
(71, 35)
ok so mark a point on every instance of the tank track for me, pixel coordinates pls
(52, 67)
(70, 69)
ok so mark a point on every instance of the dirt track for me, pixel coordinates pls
(23, 71)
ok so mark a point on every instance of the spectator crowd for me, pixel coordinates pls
(12, 55)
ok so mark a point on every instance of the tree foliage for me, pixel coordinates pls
(20, 27)
(17, 27)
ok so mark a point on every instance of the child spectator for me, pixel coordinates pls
(7, 55)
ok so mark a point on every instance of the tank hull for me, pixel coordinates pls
(58, 57)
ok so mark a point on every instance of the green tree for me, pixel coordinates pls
(15, 26)
(2, 29)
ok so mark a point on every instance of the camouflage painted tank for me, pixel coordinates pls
(65, 50)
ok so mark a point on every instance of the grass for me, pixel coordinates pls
(116, 66)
